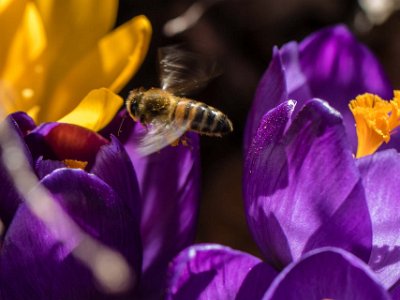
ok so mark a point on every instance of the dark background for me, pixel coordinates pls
(240, 34)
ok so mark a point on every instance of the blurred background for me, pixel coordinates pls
(240, 34)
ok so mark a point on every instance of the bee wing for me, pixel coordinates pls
(158, 135)
(183, 72)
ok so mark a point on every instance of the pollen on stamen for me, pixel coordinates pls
(75, 164)
(376, 119)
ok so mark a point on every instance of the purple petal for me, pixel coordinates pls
(10, 198)
(115, 168)
(169, 182)
(327, 273)
(44, 167)
(338, 68)
(296, 81)
(24, 122)
(270, 92)
(266, 140)
(210, 271)
(395, 292)
(35, 265)
(303, 191)
(380, 173)
(344, 68)
(120, 126)
(98, 209)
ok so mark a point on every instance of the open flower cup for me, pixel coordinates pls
(60, 61)
(326, 223)
(145, 208)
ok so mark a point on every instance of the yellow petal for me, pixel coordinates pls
(111, 64)
(33, 112)
(22, 76)
(92, 17)
(11, 13)
(95, 111)
(140, 46)
(73, 28)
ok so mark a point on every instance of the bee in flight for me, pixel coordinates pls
(165, 112)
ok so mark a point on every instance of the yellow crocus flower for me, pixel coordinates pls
(59, 60)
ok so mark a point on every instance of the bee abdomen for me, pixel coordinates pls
(206, 119)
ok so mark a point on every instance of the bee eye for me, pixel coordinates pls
(134, 102)
(134, 105)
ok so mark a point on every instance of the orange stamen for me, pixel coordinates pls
(376, 119)
(75, 164)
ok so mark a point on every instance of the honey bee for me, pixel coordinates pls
(166, 113)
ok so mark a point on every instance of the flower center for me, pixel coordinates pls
(376, 119)
(75, 164)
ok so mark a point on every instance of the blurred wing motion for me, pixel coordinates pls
(159, 135)
(165, 114)
(183, 72)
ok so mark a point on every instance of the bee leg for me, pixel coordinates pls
(124, 116)
(175, 143)
(187, 142)
(184, 141)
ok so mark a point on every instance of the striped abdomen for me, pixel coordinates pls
(201, 117)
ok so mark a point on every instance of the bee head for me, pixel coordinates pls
(134, 103)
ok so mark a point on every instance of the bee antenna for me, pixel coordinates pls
(120, 126)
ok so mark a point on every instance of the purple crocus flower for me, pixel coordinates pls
(142, 208)
(325, 222)
(210, 271)
(329, 64)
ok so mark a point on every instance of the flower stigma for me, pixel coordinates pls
(376, 119)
